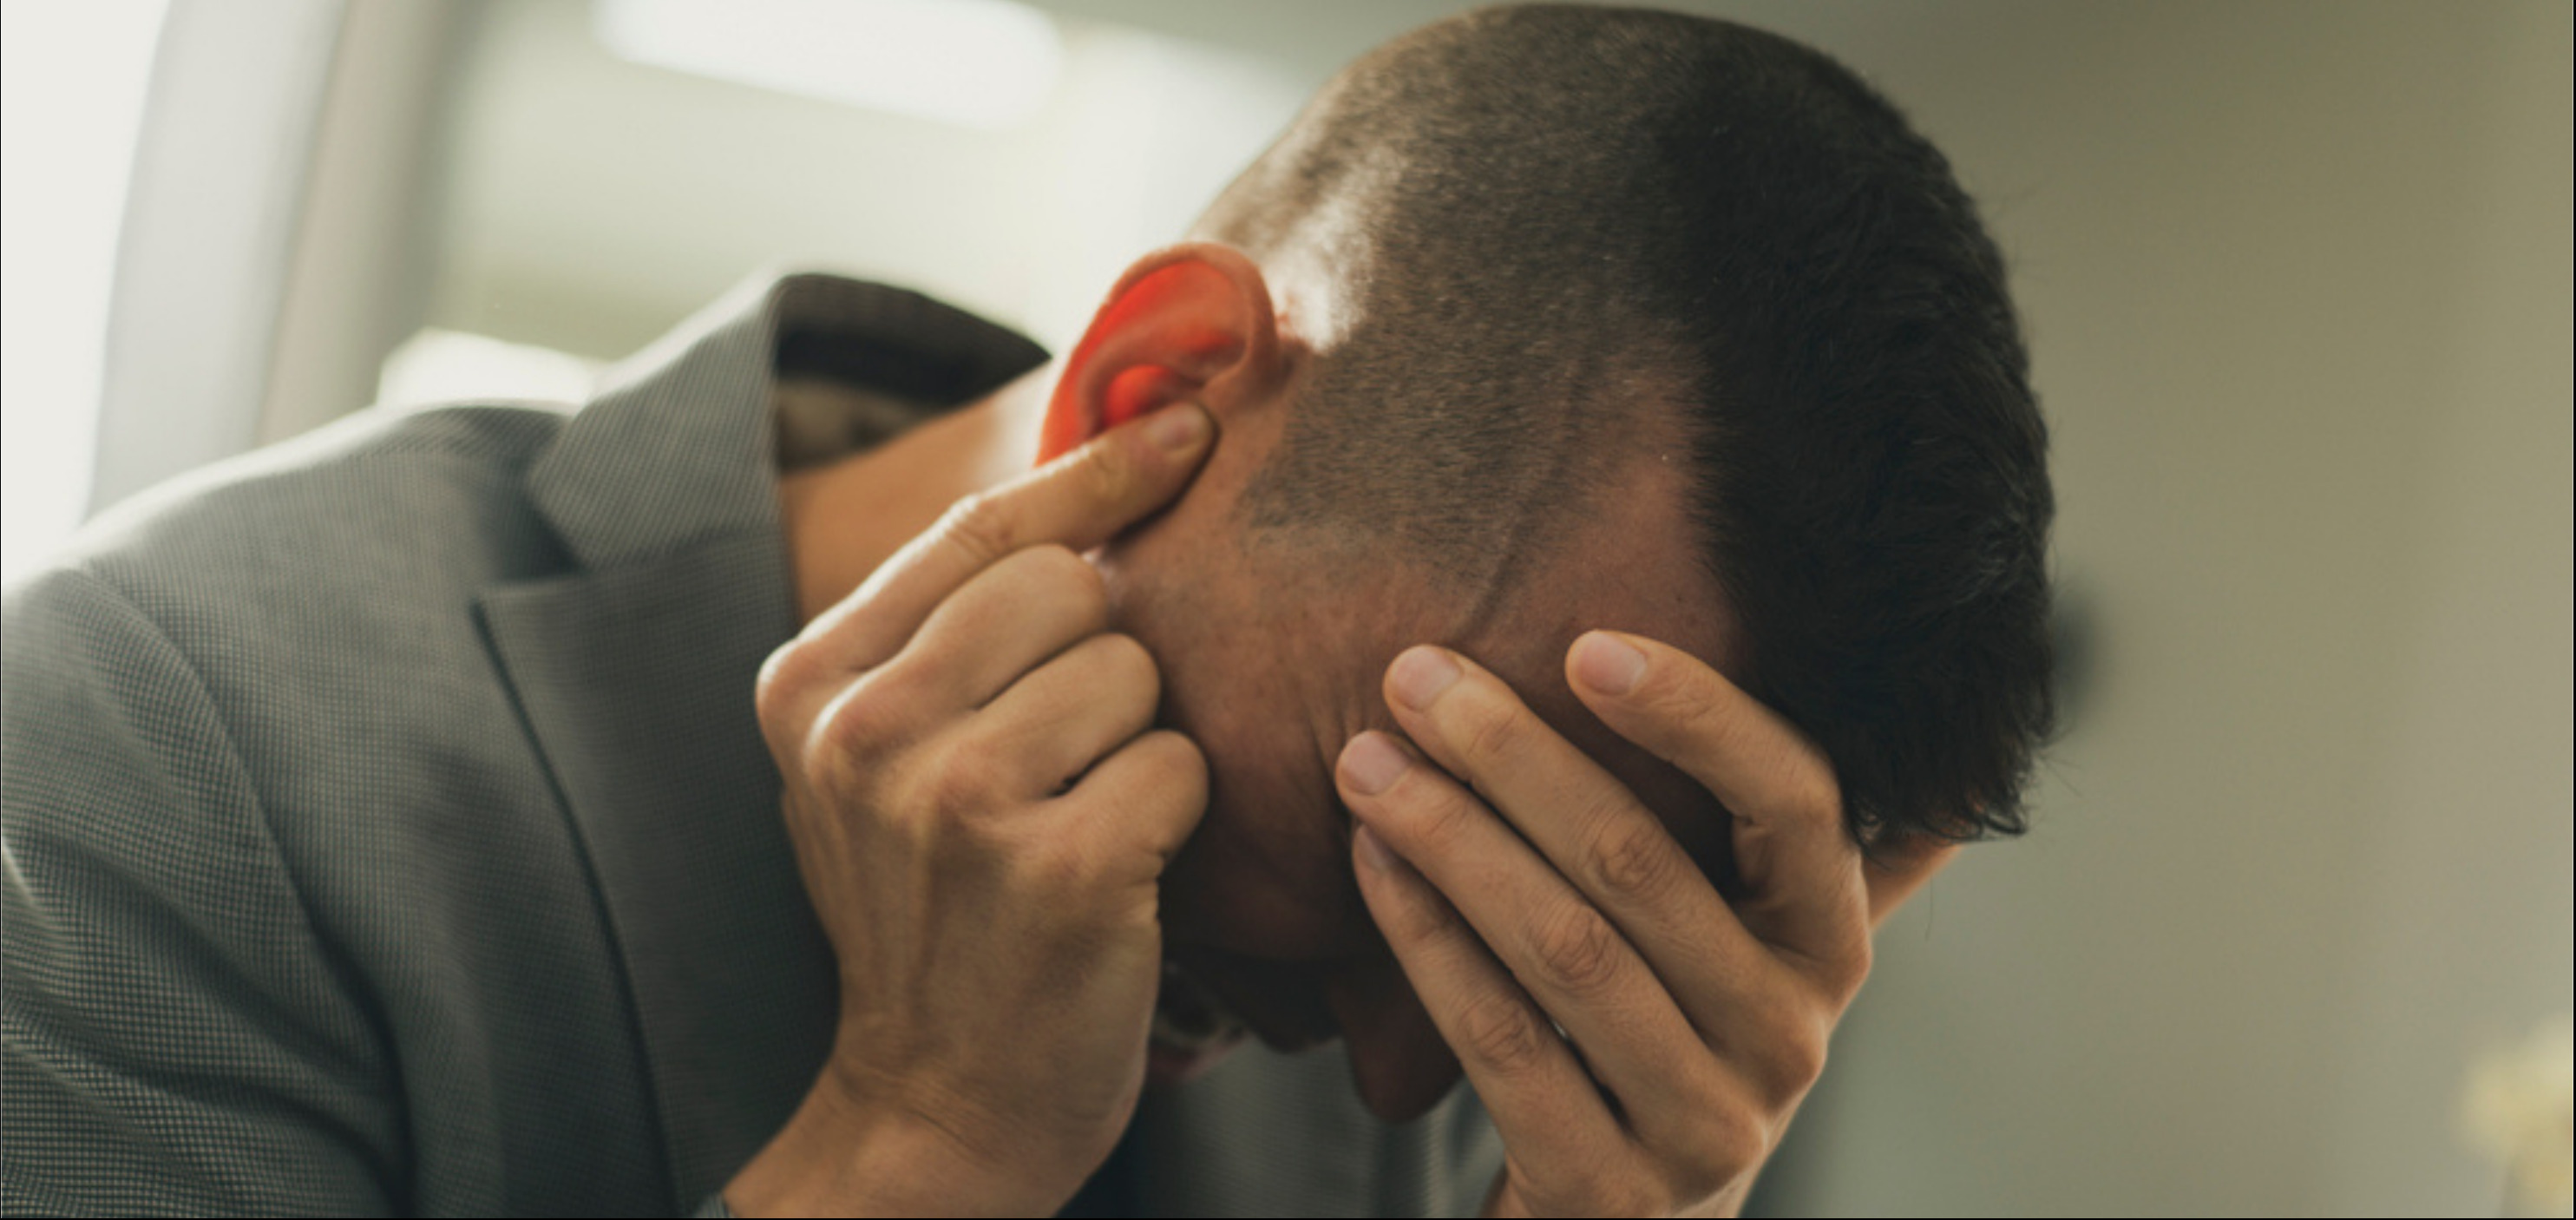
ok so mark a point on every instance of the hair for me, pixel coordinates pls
(1556, 230)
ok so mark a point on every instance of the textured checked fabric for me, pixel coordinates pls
(387, 828)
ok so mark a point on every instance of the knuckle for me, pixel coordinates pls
(1725, 1145)
(1798, 770)
(1682, 700)
(981, 526)
(1443, 823)
(1803, 1061)
(965, 780)
(1792, 1056)
(833, 776)
(1811, 787)
(1577, 950)
(1712, 1145)
(1494, 729)
(862, 722)
(1105, 474)
(784, 676)
(1418, 921)
(1745, 1144)
(1634, 861)
(1850, 969)
(1055, 865)
(1503, 1033)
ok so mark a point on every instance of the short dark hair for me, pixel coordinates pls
(1540, 214)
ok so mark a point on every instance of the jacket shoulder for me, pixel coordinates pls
(424, 491)
(290, 647)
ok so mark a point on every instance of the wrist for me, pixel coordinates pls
(848, 1152)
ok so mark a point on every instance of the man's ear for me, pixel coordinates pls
(1191, 321)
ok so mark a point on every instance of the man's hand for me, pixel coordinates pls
(981, 814)
(1691, 1028)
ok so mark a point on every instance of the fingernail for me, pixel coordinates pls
(1420, 675)
(1178, 428)
(1371, 763)
(1607, 663)
(1373, 849)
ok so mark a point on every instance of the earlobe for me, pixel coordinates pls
(1183, 321)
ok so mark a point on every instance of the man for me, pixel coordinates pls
(394, 823)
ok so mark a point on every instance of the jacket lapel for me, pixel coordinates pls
(635, 670)
(637, 683)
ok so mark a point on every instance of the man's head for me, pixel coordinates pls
(1547, 319)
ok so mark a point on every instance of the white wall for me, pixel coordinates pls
(62, 194)
(591, 202)
(2298, 283)
(356, 276)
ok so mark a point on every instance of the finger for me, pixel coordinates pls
(1565, 954)
(1140, 803)
(1077, 501)
(1542, 1102)
(1587, 824)
(1800, 864)
(1062, 717)
(1895, 870)
(1004, 622)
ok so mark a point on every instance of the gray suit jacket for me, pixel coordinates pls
(387, 828)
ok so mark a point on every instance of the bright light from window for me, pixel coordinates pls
(977, 63)
(71, 101)
(440, 366)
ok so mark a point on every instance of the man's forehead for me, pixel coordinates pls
(1634, 559)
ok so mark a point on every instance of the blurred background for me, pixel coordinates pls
(2297, 281)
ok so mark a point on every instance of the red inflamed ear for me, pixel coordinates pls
(1179, 322)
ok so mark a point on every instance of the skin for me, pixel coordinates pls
(981, 813)
(1478, 906)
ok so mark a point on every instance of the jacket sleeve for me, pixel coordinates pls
(177, 1036)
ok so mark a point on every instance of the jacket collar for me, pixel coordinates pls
(634, 670)
(679, 446)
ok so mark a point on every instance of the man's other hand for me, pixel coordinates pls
(1640, 1042)
(981, 812)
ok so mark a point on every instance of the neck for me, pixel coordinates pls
(848, 516)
